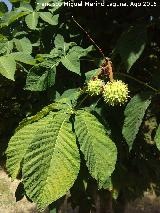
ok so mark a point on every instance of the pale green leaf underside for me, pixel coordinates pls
(72, 63)
(23, 45)
(71, 60)
(19, 143)
(52, 162)
(157, 137)
(6, 47)
(49, 18)
(9, 46)
(99, 151)
(32, 20)
(59, 41)
(24, 6)
(23, 57)
(3, 47)
(60, 44)
(7, 67)
(134, 114)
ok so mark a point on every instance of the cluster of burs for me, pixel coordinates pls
(114, 93)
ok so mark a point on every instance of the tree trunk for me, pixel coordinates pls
(102, 199)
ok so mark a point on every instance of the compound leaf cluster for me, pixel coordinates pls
(46, 151)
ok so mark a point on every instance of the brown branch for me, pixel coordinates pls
(100, 50)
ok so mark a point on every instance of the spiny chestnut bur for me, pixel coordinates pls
(115, 92)
(95, 86)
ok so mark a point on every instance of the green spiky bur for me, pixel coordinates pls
(94, 87)
(115, 93)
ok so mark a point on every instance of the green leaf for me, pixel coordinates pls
(19, 143)
(2, 47)
(6, 47)
(7, 67)
(131, 45)
(90, 74)
(41, 114)
(59, 41)
(52, 162)
(25, 7)
(42, 76)
(99, 151)
(134, 113)
(20, 34)
(70, 96)
(32, 20)
(71, 60)
(11, 16)
(38, 80)
(3, 38)
(23, 57)
(157, 137)
(49, 18)
(23, 45)
(71, 93)
(60, 44)
(9, 46)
